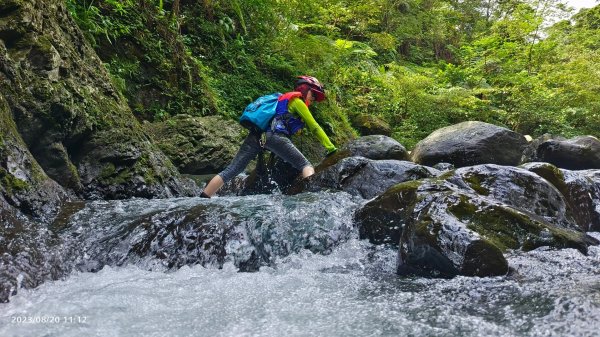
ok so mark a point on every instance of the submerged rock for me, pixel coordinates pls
(470, 143)
(29, 254)
(166, 235)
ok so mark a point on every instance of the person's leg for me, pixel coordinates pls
(246, 153)
(213, 186)
(283, 147)
(308, 171)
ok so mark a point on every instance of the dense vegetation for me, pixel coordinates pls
(415, 65)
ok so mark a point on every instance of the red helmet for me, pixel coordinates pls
(315, 86)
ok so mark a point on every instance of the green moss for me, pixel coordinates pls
(508, 228)
(552, 174)
(111, 176)
(407, 186)
(11, 183)
(43, 44)
(475, 182)
(149, 174)
(371, 125)
(445, 176)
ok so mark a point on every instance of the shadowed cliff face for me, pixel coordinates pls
(23, 183)
(76, 126)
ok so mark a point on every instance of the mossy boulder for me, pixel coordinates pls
(375, 147)
(578, 153)
(519, 188)
(368, 124)
(470, 143)
(461, 222)
(580, 189)
(198, 145)
(68, 113)
(381, 222)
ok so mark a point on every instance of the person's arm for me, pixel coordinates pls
(297, 106)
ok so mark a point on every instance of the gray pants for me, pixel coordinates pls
(279, 144)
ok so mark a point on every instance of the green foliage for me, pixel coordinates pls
(416, 64)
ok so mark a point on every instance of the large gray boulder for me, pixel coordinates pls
(578, 153)
(366, 178)
(377, 147)
(29, 253)
(470, 143)
(197, 145)
(580, 189)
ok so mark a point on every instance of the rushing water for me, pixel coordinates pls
(348, 289)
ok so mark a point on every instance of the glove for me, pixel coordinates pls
(329, 153)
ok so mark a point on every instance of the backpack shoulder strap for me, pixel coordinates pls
(289, 95)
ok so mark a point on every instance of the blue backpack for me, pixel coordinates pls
(258, 114)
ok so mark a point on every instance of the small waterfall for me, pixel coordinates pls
(167, 234)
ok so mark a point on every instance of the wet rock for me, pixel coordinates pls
(581, 190)
(461, 222)
(436, 243)
(444, 167)
(118, 166)
(518, 188)
(577, 153)
(382, 220)
(29, 254)
(377, 147)
(166, 235)
(366, 178)
(470, 143)
(23, 183)
(584, 197)
(197, 145)
(530, 151)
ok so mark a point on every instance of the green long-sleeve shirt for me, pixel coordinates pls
(298, 107)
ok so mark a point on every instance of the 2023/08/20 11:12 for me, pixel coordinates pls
(48, 319)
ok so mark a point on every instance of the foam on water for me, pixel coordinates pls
(339, 286)
(351, 292)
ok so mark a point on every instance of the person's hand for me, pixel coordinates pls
(330, 152)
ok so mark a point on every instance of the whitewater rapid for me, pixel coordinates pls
(337, 286)
(351, 292)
